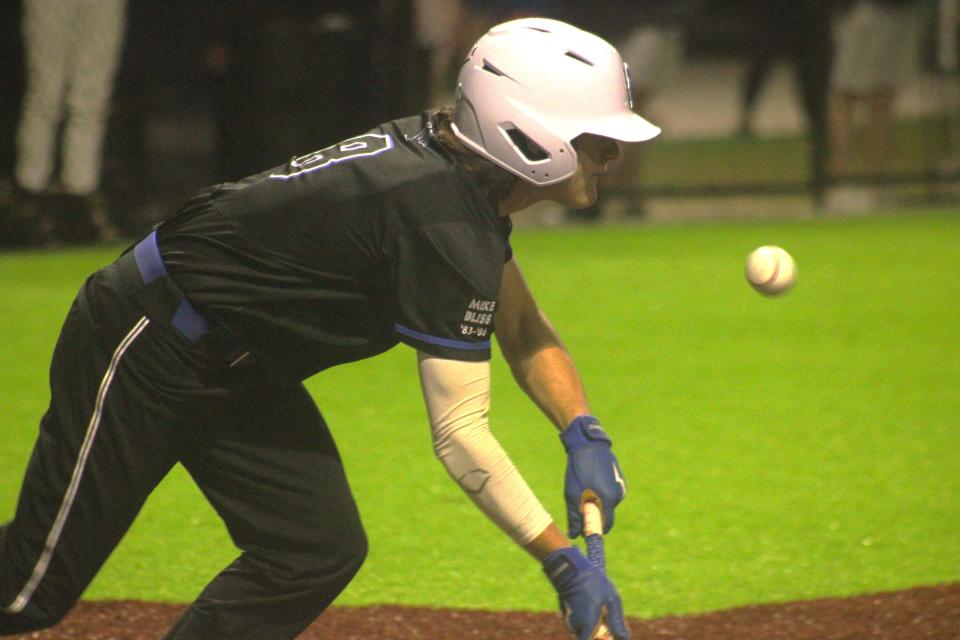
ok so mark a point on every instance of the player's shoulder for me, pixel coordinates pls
(413, 136)
(424, 171)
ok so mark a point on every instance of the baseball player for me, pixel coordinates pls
(193, 345)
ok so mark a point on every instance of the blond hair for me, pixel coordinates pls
(494, 180)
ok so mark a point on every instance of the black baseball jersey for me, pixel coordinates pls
(344, 252)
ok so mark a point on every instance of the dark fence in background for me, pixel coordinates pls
(211, 91)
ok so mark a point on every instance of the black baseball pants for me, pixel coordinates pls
(130, 397)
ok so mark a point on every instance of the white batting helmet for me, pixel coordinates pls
(530, 86)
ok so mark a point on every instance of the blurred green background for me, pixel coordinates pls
(775, 449)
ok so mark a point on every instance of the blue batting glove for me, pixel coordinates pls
(592, 470)
(586, 595)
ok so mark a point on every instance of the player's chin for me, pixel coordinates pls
(579, 192)
(584, 198)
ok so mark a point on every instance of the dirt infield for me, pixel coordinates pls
(925, 613)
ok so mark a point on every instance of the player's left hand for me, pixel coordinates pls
(592, 469)
(587, 597)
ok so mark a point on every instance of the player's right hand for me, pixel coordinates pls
(593, 470)
(587, 597)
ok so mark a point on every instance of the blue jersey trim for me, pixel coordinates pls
(186, 318)
(442, 342)
(189, 321)
(149, 262)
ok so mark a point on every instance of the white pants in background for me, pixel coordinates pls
(72, 51)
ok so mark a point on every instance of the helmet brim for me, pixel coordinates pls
(626, 127)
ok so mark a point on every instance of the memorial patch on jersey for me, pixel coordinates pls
(478, 320)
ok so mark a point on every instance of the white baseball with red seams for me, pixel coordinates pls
(771, 270)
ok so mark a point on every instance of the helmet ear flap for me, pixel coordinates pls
(525, 146)
(514, 142)
(541, 156)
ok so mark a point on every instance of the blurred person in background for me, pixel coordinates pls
(11, 91)
(400, 77)
(878, 49)
(285, 74)
(800, 33)
(72, 50)
(439, 26)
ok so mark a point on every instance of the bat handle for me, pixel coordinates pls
(593, 534)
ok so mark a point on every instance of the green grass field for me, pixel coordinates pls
(916, 146)
(775, 449)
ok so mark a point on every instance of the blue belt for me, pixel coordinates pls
(186, 318)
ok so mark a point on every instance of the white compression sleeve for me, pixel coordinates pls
(458, 399)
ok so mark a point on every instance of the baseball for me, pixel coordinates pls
(771, 270)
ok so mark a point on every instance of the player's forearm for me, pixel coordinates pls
(546, 372)
(541, 364)
(551, 380)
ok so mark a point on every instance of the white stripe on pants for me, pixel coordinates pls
(53, 537)
(72, 51)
